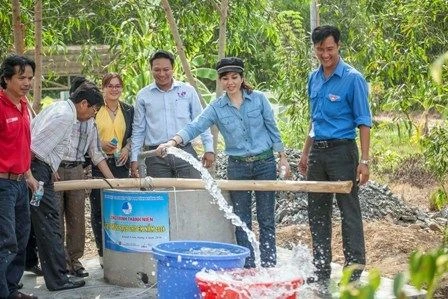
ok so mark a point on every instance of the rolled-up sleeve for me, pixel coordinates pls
(94, 146)
(361, 109)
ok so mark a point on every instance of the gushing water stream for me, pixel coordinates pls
(279, 281)
(212, 187)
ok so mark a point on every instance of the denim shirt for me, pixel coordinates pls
(338, 103)
(247, 131)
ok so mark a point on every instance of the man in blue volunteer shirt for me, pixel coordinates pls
(338, 101)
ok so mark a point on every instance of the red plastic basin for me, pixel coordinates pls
(248, 283)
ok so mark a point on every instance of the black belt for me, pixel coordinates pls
(69, 164)
(37, 160)
(261, 156)
(322, 144)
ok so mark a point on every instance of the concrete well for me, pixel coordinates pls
(191, 216)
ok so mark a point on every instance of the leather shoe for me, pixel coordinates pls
(35, 269)
(70, 284)
(81, 272)
(20, 295)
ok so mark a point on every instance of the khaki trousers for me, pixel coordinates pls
(72, 208)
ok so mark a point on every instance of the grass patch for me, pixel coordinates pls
(390, 144)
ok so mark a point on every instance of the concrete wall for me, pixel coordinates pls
(192, 217)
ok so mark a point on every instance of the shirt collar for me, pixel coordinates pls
(153, 86)
(226, 100)
(7, 101)
(72, 105)
(339, 70)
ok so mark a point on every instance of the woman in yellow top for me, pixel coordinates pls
(114, 122)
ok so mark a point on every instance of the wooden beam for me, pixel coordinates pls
(257, 185)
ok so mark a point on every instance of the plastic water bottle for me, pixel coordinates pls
(117, 152)
(114, 141)
(117, 155)
(37, 195)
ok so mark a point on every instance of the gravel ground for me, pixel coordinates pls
(377, 202)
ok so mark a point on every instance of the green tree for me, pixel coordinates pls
(293, 64)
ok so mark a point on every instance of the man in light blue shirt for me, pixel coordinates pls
(161, 110)
(339, 105)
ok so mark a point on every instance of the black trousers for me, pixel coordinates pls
(46, 225)
(95, 201)
(171, 166)
(31, 250)
(337, 163)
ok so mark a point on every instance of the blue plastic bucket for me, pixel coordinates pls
(179, 261)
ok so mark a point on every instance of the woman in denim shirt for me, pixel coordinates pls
(245, 119)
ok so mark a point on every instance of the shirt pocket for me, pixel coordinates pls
(333, 104)
(183, 109)
(255, 118)
(228, 125)
(314, 101)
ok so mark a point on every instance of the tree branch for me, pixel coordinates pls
(180, 47)
(215, 5)
(37, 91)
(19, 45)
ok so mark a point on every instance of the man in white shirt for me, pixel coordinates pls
(50, 138)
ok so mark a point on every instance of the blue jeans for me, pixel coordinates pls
(338, 163)
(14, 231)
(265, 207)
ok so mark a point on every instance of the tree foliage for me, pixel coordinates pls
(435, 151)
(392, 42)
(293, 65)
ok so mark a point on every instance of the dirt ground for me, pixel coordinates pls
(388, 244)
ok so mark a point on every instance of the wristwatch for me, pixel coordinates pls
(365, 162)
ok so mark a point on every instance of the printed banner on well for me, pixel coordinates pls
(134, 221)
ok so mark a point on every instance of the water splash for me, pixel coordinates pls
(212, 187)
(283, 281)
(267, 283)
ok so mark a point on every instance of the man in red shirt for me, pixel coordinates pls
(16, 75)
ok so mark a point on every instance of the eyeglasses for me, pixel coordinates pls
(110, 86)
(95, 108)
